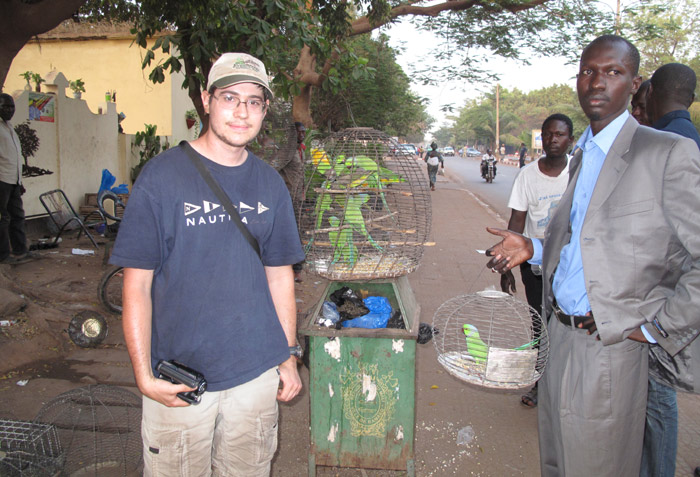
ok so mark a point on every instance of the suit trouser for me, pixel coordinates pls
(230, 433)
(592, 405)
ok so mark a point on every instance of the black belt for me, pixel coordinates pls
(569, 320)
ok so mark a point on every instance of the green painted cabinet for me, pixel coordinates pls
(362, 386)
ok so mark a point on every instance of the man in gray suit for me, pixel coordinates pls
(621, 267)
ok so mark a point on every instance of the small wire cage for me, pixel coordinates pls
(99, 427)
(492, 340)
(366, 212)
(29, 449)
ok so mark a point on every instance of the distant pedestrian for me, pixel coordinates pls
(434, 159)
(671, 92)
(534, 198)
(523, 151)
(13, 239)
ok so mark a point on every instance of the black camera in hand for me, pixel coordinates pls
(178, 373)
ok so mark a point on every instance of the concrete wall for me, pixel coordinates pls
(107, 60)
(77, 146)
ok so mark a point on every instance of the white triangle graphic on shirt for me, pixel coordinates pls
(209, 206)
(191, 208)
(262, 208)
(244, 220)
(244, 207)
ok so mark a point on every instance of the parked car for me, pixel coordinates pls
(471, 152)
(448, 151)
(409, 149)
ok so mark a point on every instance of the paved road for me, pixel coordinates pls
(496, 194)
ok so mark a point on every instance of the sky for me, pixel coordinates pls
(414, 47)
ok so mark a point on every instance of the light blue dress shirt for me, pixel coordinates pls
(569, 285)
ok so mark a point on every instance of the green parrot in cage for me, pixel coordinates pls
(353, 216)
(479, 350)
(341, 240)
(476, 348)
(385, 175)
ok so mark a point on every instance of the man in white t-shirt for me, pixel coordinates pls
(533, 199)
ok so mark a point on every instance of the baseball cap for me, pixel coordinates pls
(235, 68)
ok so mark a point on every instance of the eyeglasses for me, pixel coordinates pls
(230, 101)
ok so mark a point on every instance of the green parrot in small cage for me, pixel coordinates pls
(476, 348)
(479, 350)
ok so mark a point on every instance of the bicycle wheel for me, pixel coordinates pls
(110, 289)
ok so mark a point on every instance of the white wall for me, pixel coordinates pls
(77, 146)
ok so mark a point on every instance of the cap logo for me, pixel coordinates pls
(241, 64)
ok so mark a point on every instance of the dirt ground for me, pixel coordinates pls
(36, 348)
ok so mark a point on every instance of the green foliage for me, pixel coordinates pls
(27, 75)
(378, 96)
(28, 140)
(663, 31)
(37, 80)
(519, 114)
(77, 86)
(191, 114)
(149, 145)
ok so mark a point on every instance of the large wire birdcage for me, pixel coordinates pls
(99, 427)
(277, 144)
(491, 339)
(366, 208)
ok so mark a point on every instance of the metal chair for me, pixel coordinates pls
(63, 215)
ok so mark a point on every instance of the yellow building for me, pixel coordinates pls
(105, 57)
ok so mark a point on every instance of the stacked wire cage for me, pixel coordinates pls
(29, 449)
(491, 339)
(99, 428)
(366, 209)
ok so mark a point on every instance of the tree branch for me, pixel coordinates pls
(363, 25)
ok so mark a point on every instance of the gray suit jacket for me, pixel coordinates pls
(640, 241)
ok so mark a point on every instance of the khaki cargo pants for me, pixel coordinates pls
(229, 433)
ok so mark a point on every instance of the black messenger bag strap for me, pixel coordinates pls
(223, 197)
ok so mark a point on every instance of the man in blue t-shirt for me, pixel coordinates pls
(196, 291)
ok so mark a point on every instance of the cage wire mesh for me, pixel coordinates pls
(99, 428)
(29, 449)
(491, 339)
(277, 145)
(366, 211)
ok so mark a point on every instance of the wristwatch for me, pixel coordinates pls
(296, 351)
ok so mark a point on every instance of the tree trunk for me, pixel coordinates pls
(21, 21)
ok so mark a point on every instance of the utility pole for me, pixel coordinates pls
(617, 18)
(498, 124)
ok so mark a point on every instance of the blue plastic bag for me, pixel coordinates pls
(378, 316)
(108, 180)
(120, 189)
